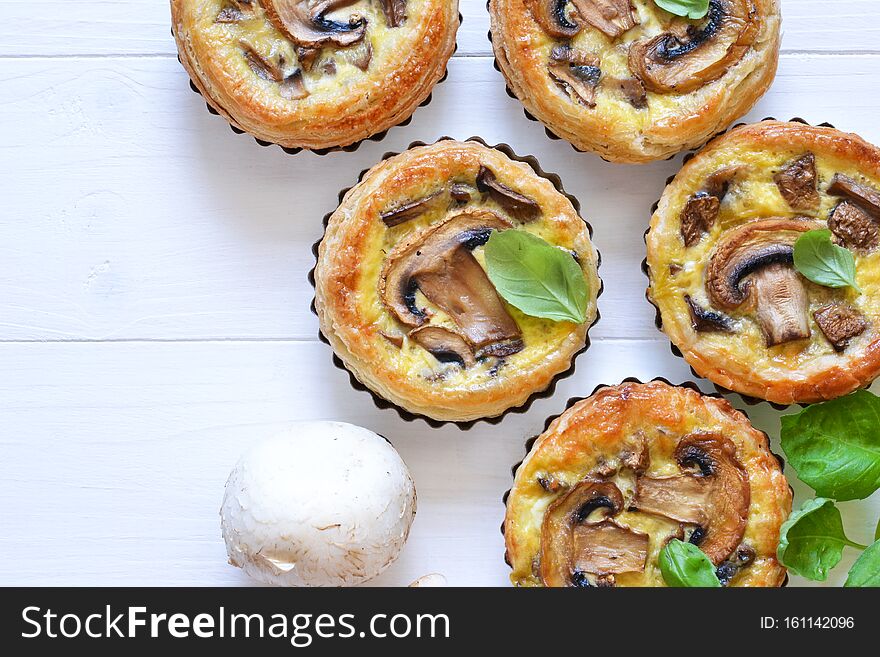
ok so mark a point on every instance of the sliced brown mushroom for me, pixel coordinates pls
(515, 204)
(305, 22)
(754, 262)
(395, 12)
(445, 345)
(743, 556)
(862, 195)
(613, 17)
(715, 496)
(462, 193)
(707, 321)
(307, 56)
(438, 262)
(853, 227)
(359, 55)
(554, 18)
(631, 89)
(576, 73)
(686, 58)
(578, 538)
(698, 217)
(840, 323)
(702, 209)
(412, 209)
(797, 183)
(290, 86)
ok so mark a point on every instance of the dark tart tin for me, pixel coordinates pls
(405, 415)
(690, 385)
(646, 270)
(349, 148)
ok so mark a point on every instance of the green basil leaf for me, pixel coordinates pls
(685, 565)
(824, 262)
(687, 8)
(536, 277)
(835, 446)
(865, 572)
(811, 541)
(877, 532)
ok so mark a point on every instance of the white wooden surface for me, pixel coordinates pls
(154, 309)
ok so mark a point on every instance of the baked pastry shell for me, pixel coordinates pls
(694, 131)
(688, 385)
(408, 416)
(838, 386)
(215, 110)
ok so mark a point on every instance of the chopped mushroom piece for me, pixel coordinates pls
(840, 323)
(445, 345)
(853, 227)
(461, 192)
(718, 183)
(234, 11)
(395, 12)
(291, 86)
(517, 205)
(307, 56)
(686, 58)
(551, 15)
(578, 537)
(698, 217)
(632, 90)
(305, 23)
(576, 73)
(864, 196)
(755, 262)
(438, 262)
(797, 183)
(613, 17)
(412, 210)
(715, 497)
(743, 556)
(707, 321)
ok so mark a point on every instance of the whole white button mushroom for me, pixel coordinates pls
(322, 504)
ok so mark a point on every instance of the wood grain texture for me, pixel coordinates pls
(50, 28)
(115, 468)
(162, 223)
(154, 312)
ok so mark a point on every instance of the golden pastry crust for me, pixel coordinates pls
(376, 347)
(253, 73)
(802, 370)
(667, 122)
(593, 438)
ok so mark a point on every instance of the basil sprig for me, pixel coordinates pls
(835, 446)
(536, 277)
(811, 541)
(823, 262)
(685, 565)
(686, 8)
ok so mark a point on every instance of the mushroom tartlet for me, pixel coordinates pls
(315, 74)
(618, 475)
(627, 79)
(730, 292)
(403, 288)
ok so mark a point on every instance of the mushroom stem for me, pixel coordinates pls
(781, 304)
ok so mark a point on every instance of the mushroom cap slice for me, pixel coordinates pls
(755, 262)
(716, 497)
(517, 205)
(613, 17)
(438, 262)
(445, 345)
(574, 541)
(862, 195)
(553, 19)
(705, 320)
(395, 12)
(686, 58)
(304, 22)
(578, 74)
